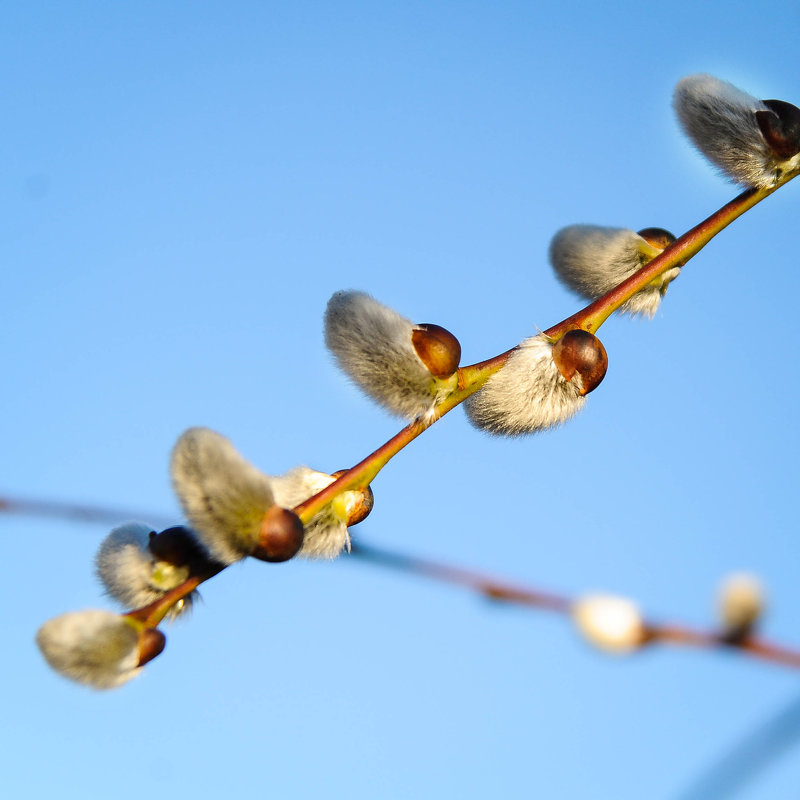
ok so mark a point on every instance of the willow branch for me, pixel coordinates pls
(472, 378)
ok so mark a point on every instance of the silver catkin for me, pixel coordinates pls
(721, 122)
(93, 647)
(372, 344)
(591, 260)
(131, 574)
(223, 496)
(527, 395)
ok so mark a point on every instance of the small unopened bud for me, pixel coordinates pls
(437, 348)
(404, 368)
(610, 623)
(581, 353)
(591, 260)
(151, 644)
(356, 503)
(754, 142)
(740, 604)
(223, 496)
(281, 536)
(530, 393)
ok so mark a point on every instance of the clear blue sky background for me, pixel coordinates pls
(183, 186)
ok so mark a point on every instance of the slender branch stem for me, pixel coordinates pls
(153, 613)
(471, 378)
(676, 255)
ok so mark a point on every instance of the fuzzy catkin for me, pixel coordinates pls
(326, 533)
(721, 121)
(527, 395)
(132, 575)
(591, 260)
(223, 496)
(93, 647)
(372, 344)
(609, 622)
(740, 602)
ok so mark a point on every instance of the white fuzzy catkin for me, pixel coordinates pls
(722, 124)
(132, 575)
(372, 344)
(223, 496)
(93, 647)
(740, 602)
(326, 533)
(591, 260)
(527, 395)
(610, 623)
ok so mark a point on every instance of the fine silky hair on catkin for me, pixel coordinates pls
(751, 141)
(591, 260)
(132, 574)
(527, 395)
(373, 345)
(326, 533)
(223, 496)
(94, 647)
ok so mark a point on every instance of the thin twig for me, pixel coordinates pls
(497, 589)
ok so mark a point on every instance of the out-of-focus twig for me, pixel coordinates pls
(494, 588)
(749, 756)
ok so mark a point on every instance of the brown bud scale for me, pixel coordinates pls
(151, 644)
(176, 546)
(657, 237)
(580, 352)
(281, 535)
(780, 127)
(437, 348)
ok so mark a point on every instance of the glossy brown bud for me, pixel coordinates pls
(176, 546)
(360, 502)
(780, 127)
(580, 352)
(437, 348)
(657, 237)
(151, 643)
(281, 535)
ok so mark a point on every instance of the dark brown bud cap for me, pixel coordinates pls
(437, 348)
(281, 535)
(780, 127)
(657, 237)
(176, 546)
(151, 643)
(366, 501)
(580, 352)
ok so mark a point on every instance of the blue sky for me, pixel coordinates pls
(184, 185)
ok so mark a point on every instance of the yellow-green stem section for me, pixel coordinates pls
(151, 615)
(676, 255)
(590, 318)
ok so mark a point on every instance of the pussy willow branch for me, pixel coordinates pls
(487, 586)
(590, 318)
